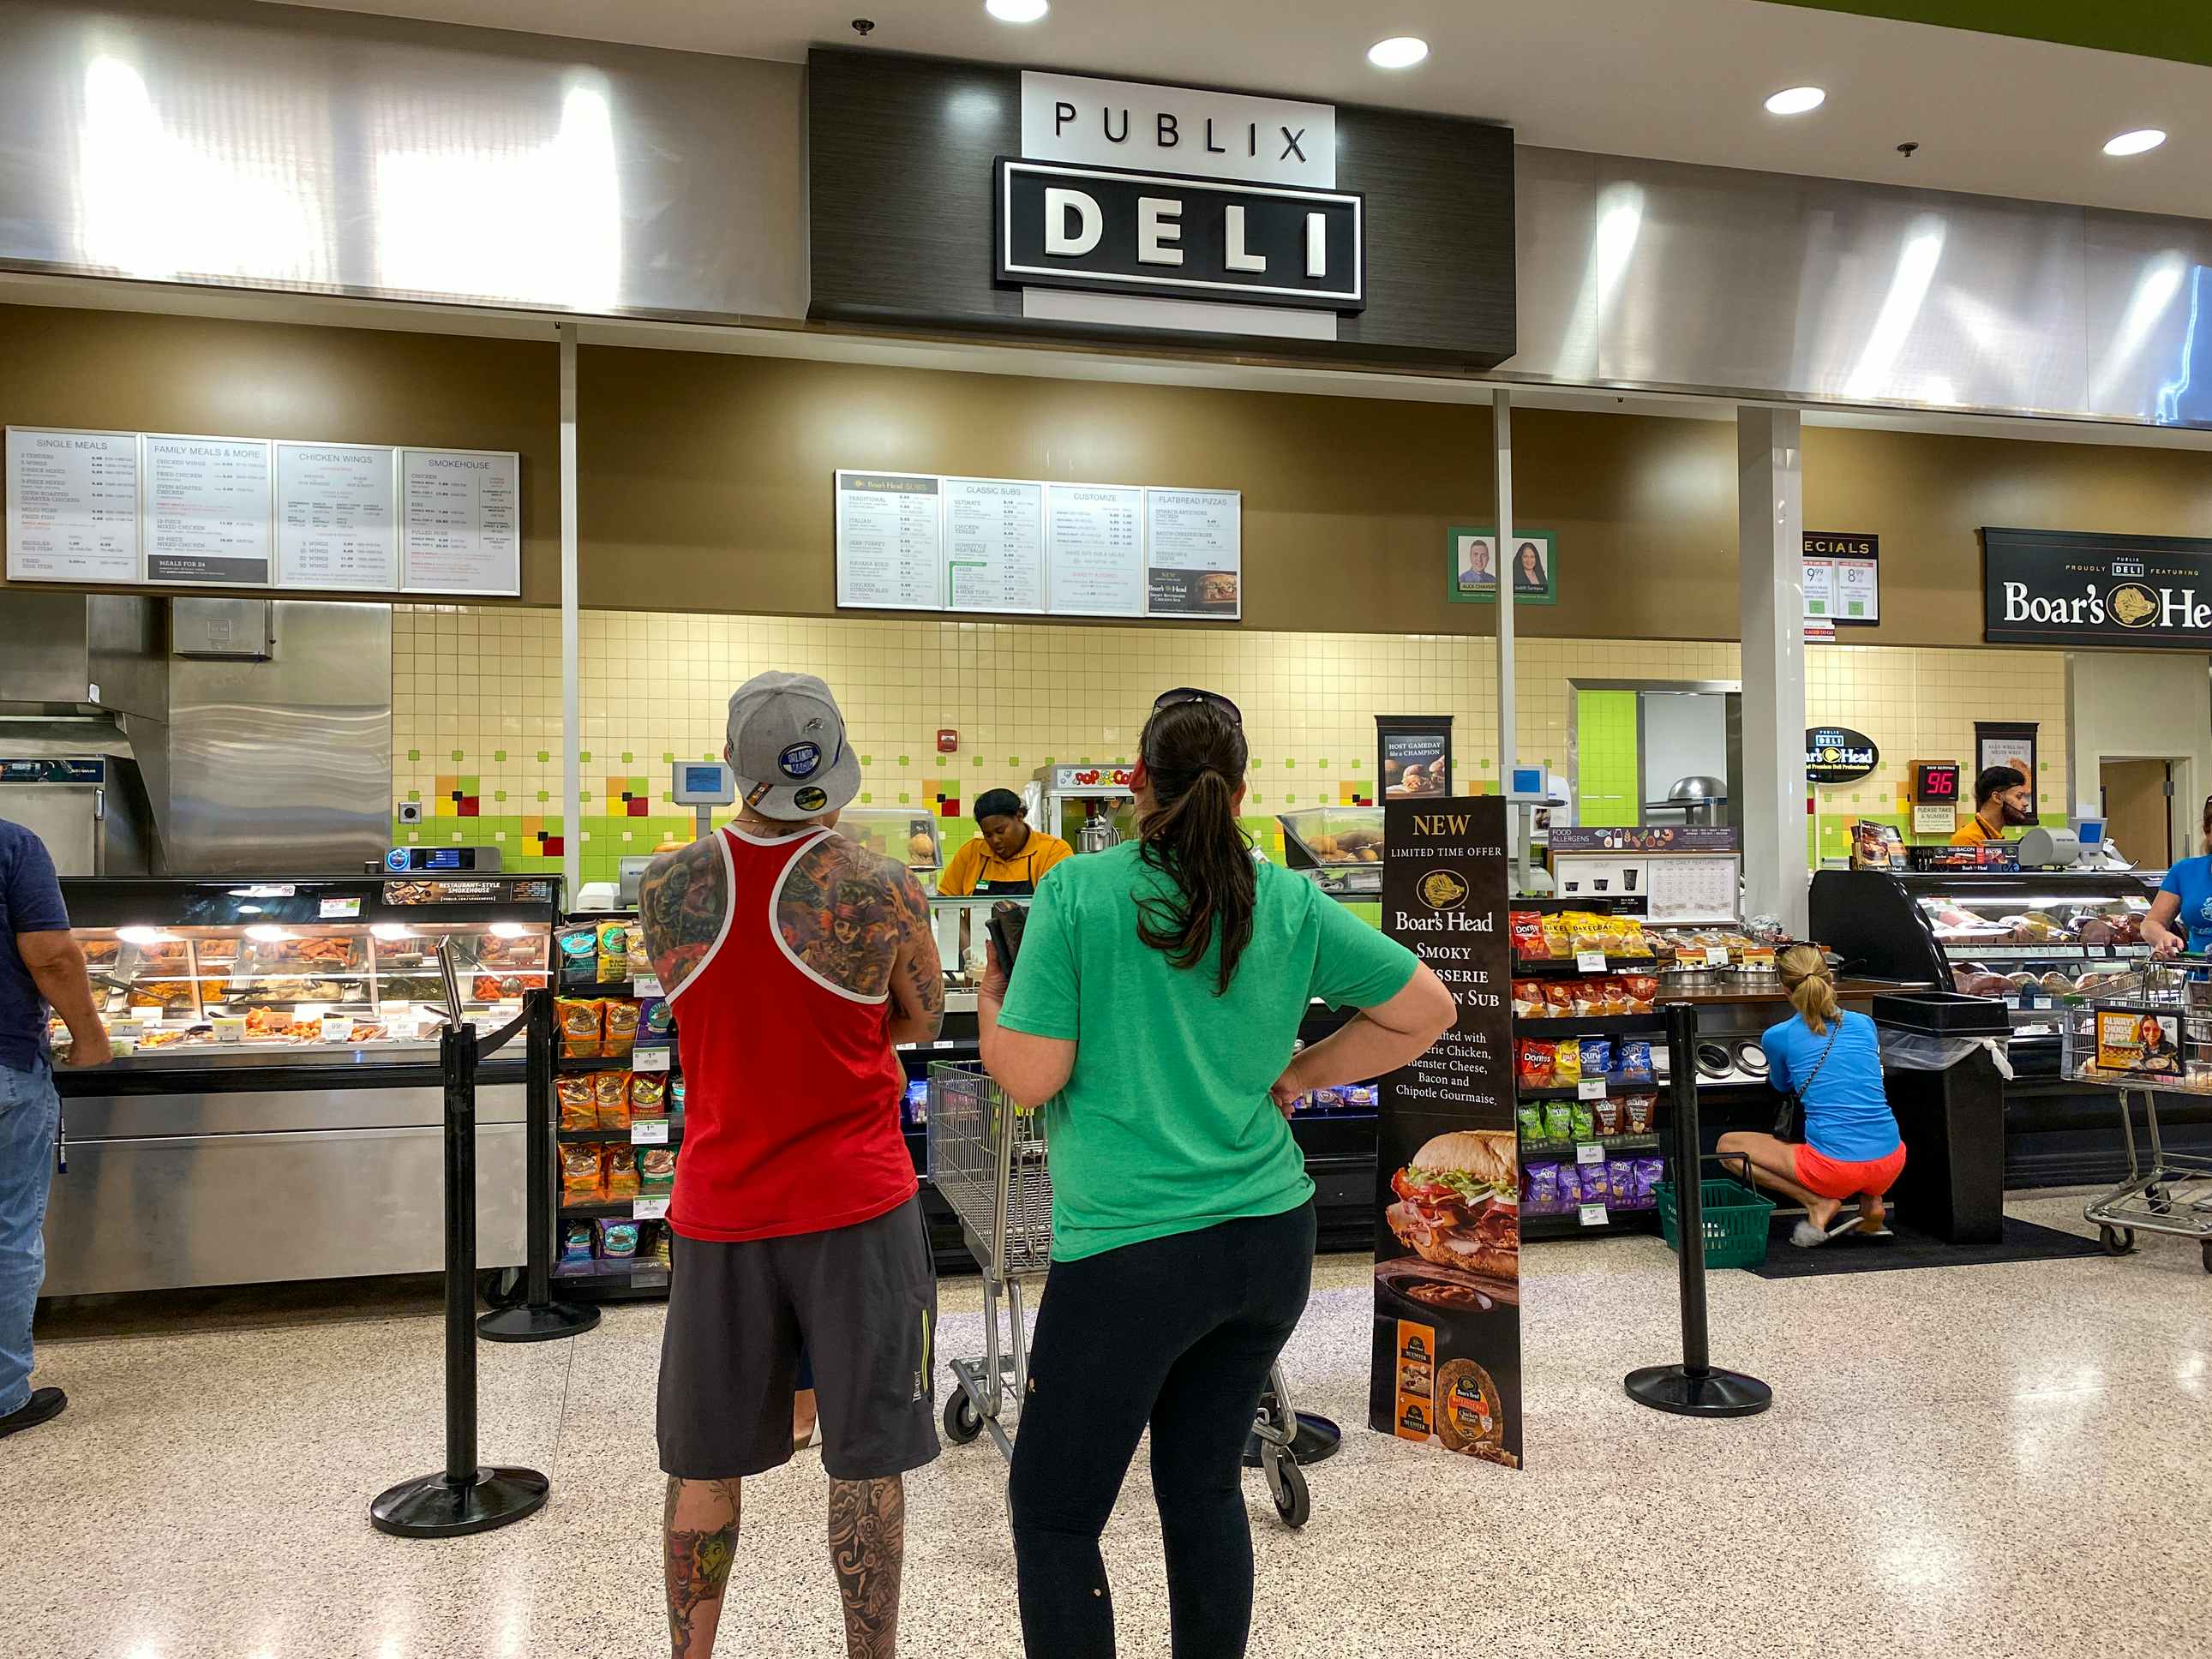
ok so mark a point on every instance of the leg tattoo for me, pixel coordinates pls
(699, 1528)
(867, 1546)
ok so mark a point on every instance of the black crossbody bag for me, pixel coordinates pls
(1793, 1102)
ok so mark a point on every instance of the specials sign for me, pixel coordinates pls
(1447, 1341)
(2064, 587)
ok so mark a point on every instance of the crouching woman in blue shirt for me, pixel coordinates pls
(1833, 1061)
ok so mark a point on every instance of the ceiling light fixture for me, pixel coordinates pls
(1399, 52)
(2136, 142)
(1795, 100)
(1017, 11)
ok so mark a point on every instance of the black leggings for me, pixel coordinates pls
(1179, 1333)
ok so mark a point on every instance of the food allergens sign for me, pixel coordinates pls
(1447, 1340)
(2066, 587)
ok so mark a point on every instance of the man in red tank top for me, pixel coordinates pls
(795, 961)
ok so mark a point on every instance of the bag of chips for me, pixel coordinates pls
(1533, 1062)
(580, 1108)
(578, 950)
(634, 948)
(621, 1173)
(1527, 929)
(1589, 998)
(1597, 1056)
(620, 1035)
(1558, 942)
(1643, 991)
(1528, 999)
(1605, 1114)
(1620, 1183)
(1566, 1065)
(575, 1241)
(1530, 1120)
(614, 952)
(1543, 1183)
(1559, 999)
(582, 1021)
(618, 1240)
(658, 1245)
(1583, 1120)
(1649, 1172)
(1635, 1065)
(649, 1094)
(1636, 1112)
(580, 1176)
(656, 1171)
(1558, 1121)
(656, 1020)
(610, 1096)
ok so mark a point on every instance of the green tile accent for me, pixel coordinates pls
(457, 754)
(1604, 725)
(544, 756)
(501, 794)
(499, 754)
(416, 754)
(668, 757)
(627, 757)
(543, 796)
(414, 794)
(1014, 762)
(867, 760)
(867, 799)
(905, 799)
(904, 760)
(585, 759)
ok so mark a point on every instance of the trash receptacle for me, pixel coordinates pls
(1941, 1053)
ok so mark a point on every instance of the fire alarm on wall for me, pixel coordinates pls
(948, 741)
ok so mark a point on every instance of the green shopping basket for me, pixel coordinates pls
(1736, 1217)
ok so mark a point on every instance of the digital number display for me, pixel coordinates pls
(1935, 784)
(442, 858)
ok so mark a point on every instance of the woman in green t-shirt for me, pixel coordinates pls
(1152, 1014)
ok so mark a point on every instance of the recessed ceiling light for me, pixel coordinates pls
(1017, 11)
(2136, 142)
(1795, 100)
(1399, 52)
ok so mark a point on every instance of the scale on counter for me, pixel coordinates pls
(702, 786)
(443, 861)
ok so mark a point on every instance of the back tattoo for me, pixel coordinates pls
(845, 912)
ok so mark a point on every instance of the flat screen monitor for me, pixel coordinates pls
(2090, 832)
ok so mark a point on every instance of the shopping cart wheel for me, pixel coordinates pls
(962, 1422)
(2205, 1250)
(2160, 1201)
(2118, 1241)
(502, 1287)
(1286, 1484)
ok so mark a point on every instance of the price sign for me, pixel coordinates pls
(648, 986)
(648, 1209)
(655, 1059)
(649, 1132)
(1590, 962)
(1590, 1088)
(1589, 1152)
(1717, 956)
(1592, 1215)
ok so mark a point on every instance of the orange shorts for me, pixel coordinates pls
(1833, 1178)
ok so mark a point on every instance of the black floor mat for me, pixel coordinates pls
(2023, 1242)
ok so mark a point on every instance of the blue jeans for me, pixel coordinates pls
(29, 1112)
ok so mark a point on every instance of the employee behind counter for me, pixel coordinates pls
(2002, 802)
(1006, 858)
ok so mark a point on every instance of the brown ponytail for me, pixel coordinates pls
(1804, 977)
(1195, 756)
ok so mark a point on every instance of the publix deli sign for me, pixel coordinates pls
(2064, 587)
(1836, 754)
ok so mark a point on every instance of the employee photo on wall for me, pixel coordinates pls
(1531, 566)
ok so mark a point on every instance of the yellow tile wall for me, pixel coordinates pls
(477, 695)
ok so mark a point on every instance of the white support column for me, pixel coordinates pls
(1770, 540)
(1501, 451)
(572, 723)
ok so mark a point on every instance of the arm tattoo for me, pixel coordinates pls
(683, 902)
(696, 1561)
(867, 1547)
(922, 975)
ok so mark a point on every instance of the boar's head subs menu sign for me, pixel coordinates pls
(1447, 1356)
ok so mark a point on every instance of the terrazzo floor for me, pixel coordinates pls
(1980, 1461)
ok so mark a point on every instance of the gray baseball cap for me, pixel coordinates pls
(787, 747)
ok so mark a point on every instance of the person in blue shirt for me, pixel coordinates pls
(1833, 1061)
(2180, 917)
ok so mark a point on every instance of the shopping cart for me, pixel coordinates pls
(2172, 1192)
(986, 1156)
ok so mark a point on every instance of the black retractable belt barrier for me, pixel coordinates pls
(539, 1318)
(463, 1497)
(1694, 1388)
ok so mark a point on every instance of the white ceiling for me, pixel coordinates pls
(1681, 80)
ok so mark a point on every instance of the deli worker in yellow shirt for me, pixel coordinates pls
(1007, 859)
(2002, 802)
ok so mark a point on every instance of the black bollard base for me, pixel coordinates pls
(547, 1322)
(438, 1506)
(1317, 1437)
(1715, 1394)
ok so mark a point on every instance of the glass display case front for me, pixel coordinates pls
(2036, 941)
(1339, 848)
(305, 969)
(910, 835)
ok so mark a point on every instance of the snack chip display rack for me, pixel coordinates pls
(986, 1158)
(2156, 1040)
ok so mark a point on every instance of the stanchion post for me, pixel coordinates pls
(463, 1497)
(1692, 1389)
(539, 1318)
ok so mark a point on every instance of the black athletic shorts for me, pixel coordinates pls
(860, 1302)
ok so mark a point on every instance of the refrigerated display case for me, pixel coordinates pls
(910, 835)
(275, 1108)
(1339, 849)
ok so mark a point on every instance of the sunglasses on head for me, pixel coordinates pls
(1184, 693)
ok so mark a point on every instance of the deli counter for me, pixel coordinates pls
(275, 1108)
